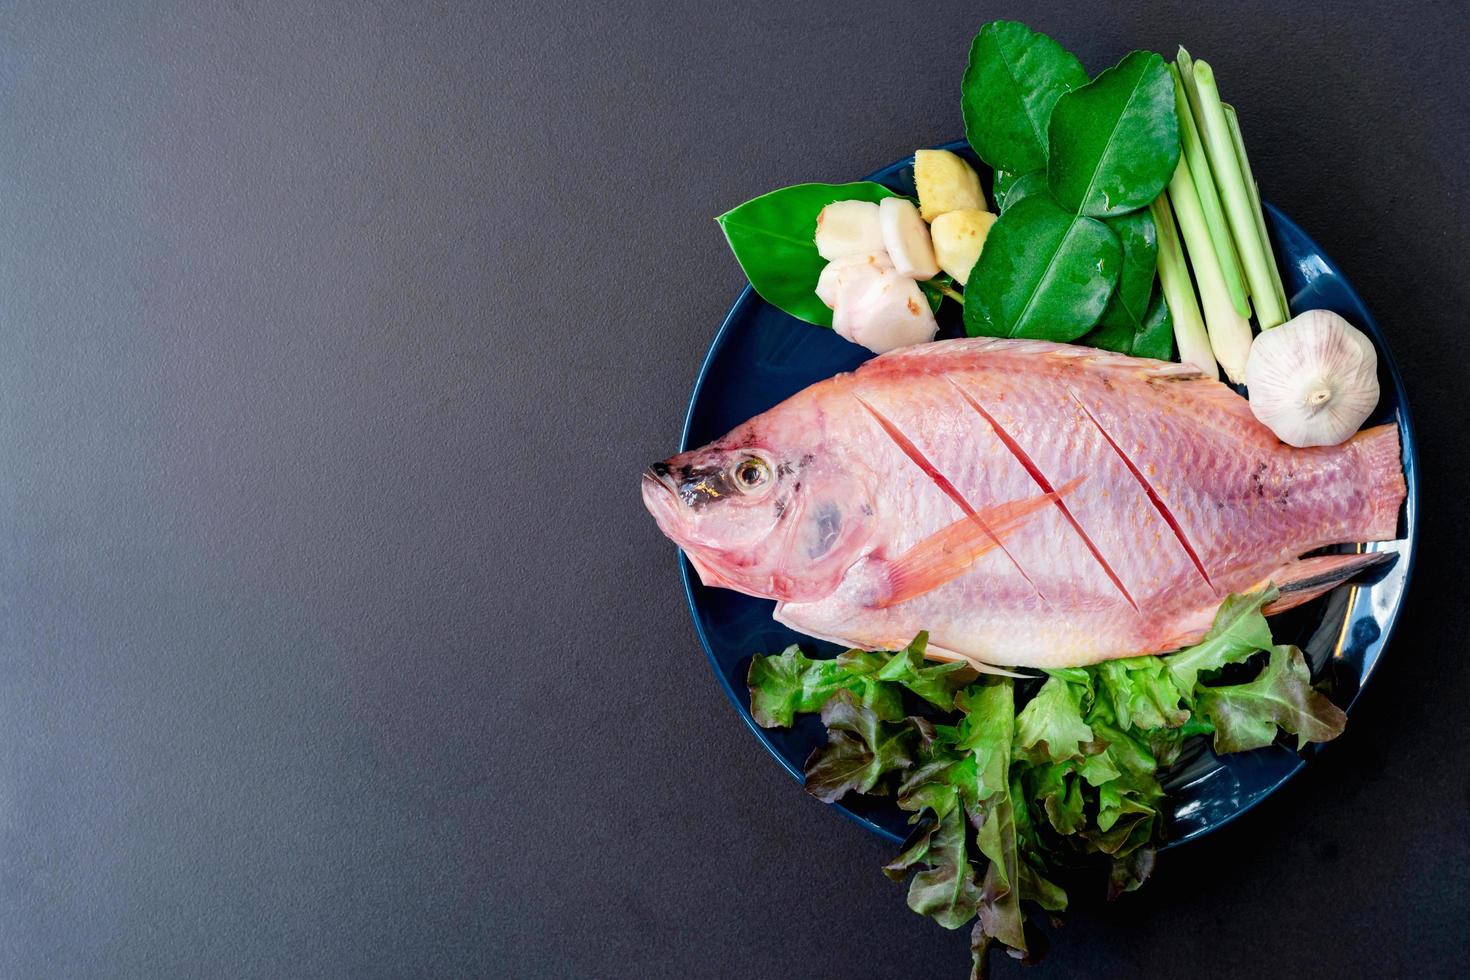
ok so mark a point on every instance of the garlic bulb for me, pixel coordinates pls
(1313, 380)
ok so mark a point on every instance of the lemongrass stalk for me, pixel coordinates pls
(1189, 328)
(1226, 169)
(1255, 192)
(1230, 333)
(1209, 198)
(1185, 64)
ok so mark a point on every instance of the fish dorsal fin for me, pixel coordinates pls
(1209, 395)
(949, 552)
(1088, 357)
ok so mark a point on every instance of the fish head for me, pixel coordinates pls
(779, 524)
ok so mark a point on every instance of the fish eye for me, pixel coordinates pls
(751, 473)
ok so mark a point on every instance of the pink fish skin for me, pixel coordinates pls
(1029, 504)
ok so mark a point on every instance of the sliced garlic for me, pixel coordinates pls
(848, 228)
(1313, 380)
(945, 183)
(907, 238)
(837, 271)
(883, 312)
(959, 237)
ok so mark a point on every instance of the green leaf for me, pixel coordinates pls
(772, 238)
(999, 908)
(1013, 78)
(1140, 240)
(1156, 339)
(1117, 755)
(1240, 629)
(933, 289)
(1115, 141)
(1017, 187)
(1050, 727)
(914, 849)
(1001, 186)
(790, 683)
(1246, 716)
(861, 749)
(1143, 693)
(1076, 675)
(1130, 871)
(1165, 744)
(1044, 274)
(945, 890)
(1125, 319)
(936, 683)
(1057, 788)
(1036, 887)
(1024, 187)
(986, 733)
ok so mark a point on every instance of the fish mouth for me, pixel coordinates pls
(660, 474)
(661, 498)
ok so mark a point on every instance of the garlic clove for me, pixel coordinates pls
(907, 238)
(848, 228)
(835, 272)
(1313, 380)
(959, 236)
(883, 312)
(945, 183)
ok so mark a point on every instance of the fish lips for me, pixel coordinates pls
(661, 498)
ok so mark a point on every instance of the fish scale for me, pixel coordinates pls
(1133, 496)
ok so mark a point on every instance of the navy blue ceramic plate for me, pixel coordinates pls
(761, 356)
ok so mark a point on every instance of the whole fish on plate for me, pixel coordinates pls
(1027, 503)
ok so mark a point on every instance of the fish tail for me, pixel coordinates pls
(1306, 578)
(1382, 472)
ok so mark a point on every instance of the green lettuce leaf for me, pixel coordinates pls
(861, 749)
(1128, 872)
(1050, 727)
(1001, 798)
(1057, 789)
(1143, 693)
(1239, 630)
(988, 734)
(1246, 716)
(789, 683)
(935, 683)
(945, 890)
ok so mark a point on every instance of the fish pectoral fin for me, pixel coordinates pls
(949, 552)
(1305, 579)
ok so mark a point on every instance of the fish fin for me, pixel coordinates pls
(1298, 581)
(934, 652)
(1215, 398)
(1377, 450)
(1306, 578)
(1138, 366)
(949, 552)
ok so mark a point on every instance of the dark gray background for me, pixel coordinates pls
(334, 639)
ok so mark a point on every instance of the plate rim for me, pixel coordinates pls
(1408, 453)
